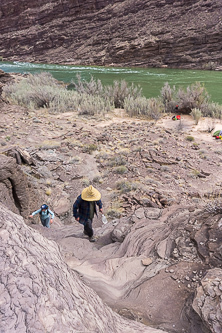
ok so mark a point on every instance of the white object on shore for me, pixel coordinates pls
(104, 219)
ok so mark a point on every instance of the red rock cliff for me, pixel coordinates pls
(174, 33)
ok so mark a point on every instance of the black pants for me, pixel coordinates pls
(88, 228)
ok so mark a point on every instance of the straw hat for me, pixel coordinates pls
(90, 194)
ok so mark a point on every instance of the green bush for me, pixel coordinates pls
(113, 213)
(151, 108)
(35, 91)
(194, 96)
(89, 148)
(124, 186)
(115, 93)
(90, 105)
(196, 114)
(120, 90)
(190, 138)
(213, 110)
(120, 170)
(92, 87)
(117, 160)
(42, 90)
(168, 96)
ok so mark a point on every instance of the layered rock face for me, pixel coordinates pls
(39, 293)
(169, 33)
(16, 192)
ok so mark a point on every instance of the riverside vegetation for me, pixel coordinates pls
(92, 98)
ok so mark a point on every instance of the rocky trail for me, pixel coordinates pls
(157, 261)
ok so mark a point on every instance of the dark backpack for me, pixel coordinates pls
(47, 211)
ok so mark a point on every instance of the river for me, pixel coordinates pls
(150, 79)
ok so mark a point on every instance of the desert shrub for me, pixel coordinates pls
(120, 90)
(213, 110)
(97, 179)
(120, 170)
(196, 114)
(35, 91)
(202, 154)
(93, 87)
(85, 181)
(124, 186)
(195, 172)
(194, 96)
(151, 108)
(113, 213)
(64, 101)
(151, 181)
(124, 151)
(210, 124)
(115, 93)
(73, 143)
(195, 145)
(90, 105)
(168, 96)
(117, 160)
(190, 138)
(89, 148)
(42, 90)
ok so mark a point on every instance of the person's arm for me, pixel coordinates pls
(100, 205)
(52, 215)
(34, 213)
(76, 208)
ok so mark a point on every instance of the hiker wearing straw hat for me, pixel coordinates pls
(84, 209)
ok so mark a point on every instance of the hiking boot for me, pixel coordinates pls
(92, 239)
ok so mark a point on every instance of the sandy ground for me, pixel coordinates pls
(187, 125)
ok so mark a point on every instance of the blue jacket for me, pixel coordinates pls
(81, 208)
(44, 215)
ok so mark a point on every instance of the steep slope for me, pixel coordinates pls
(170, 33)
(40, 293)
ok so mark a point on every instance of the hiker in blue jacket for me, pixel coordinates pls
(84, 209)
(44, 213)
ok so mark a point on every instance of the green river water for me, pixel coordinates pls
(150, 79)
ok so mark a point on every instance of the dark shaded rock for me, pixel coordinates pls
(17, 193)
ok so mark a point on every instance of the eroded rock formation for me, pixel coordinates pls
(40, 293)
(16, 191)
(208, 300)
(170, 33)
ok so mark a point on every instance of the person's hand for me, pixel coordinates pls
(31, 216)
(77, 219)
(51, 221)
(101, 210)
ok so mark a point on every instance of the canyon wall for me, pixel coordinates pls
(166, 33)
